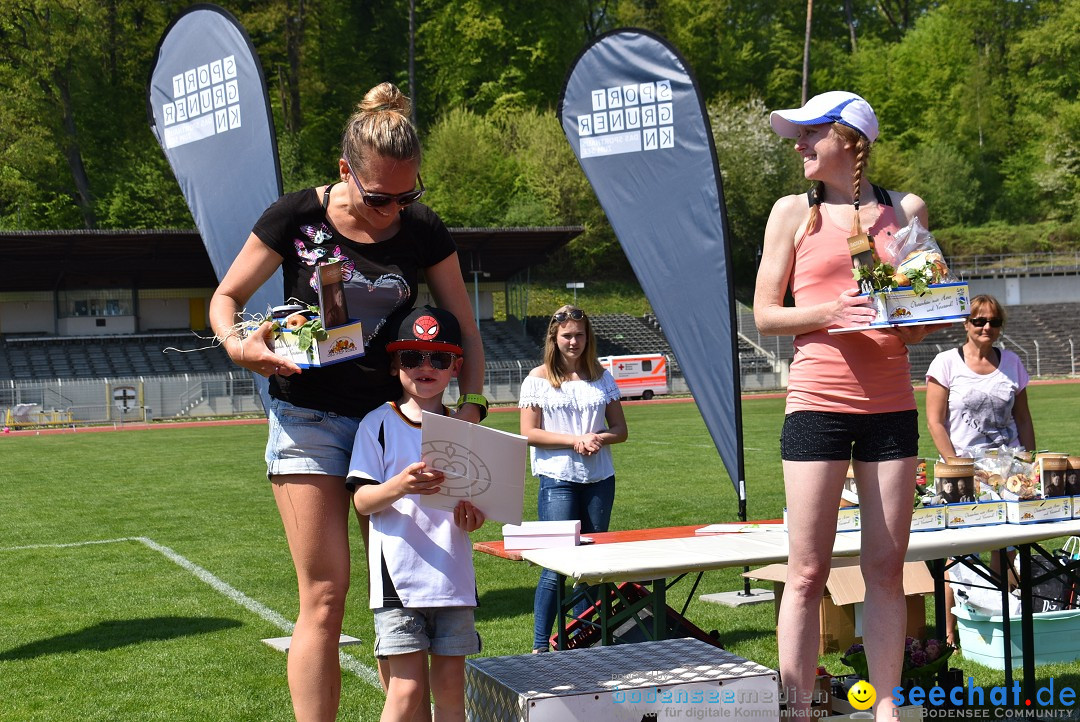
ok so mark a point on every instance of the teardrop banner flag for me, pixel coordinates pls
(207, 105)
(633, 113)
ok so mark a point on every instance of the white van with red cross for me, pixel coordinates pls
(639, 375)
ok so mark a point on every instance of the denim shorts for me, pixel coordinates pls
(831, 436)
(446, 631)
(306, 441)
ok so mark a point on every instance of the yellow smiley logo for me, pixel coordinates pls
(862, 695)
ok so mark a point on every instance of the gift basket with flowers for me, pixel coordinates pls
(908, 279)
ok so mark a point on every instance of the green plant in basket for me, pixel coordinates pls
(884, 277)
(923, 659)
(920, 279)
(880, 276)
(307, 333)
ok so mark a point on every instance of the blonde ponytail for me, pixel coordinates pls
(380, 126)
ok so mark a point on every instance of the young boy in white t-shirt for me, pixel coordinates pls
(421, 578)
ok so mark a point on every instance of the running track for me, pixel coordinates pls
(494, 410)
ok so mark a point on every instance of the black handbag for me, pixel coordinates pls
(1058, 592)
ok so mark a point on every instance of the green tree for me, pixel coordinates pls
(499, 56)
(756, 168)
(467, 173)
(550, 178)
(73, 76)
(45, 44)
(943, 86)
(320, 57)
(1044, 164)
(945, 179)
(136, 201)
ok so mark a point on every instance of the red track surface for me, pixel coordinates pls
(494, 410)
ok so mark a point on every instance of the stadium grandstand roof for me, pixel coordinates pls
(80, 259)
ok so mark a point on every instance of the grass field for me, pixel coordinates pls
(140, 569)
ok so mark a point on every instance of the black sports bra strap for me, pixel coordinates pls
(881, 195)
(326, 196)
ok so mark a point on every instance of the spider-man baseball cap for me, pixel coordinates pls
(428, 329)
(836, 106)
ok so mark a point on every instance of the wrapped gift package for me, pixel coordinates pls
(541, 534)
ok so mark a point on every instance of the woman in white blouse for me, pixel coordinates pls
(976, 395)
(976, 398)
(571, 414)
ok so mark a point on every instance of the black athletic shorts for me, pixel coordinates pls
(831, 436)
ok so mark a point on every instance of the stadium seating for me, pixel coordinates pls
(506, 342)
(1040, 334)
(156, 354)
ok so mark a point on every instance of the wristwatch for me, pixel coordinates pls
(477, 399)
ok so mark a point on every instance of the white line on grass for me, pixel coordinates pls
(348, 662)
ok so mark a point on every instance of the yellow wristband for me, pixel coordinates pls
(478, 399)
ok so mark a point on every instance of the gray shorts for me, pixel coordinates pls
(446, 631)
(306, 441)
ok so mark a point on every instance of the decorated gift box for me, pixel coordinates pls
(929, 517)
(939, 302)
(301, 338)
(966, 501)
(979, 513)
(341, 344)
(1031, 511)
(324, 334)
(906, 278)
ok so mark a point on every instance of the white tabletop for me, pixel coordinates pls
(661, 558)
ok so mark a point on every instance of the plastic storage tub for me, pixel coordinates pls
(982, 639)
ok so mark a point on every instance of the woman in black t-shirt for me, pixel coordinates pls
(369, 220)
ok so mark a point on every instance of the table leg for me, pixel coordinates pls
(607, 633)
(1006, 608)
(560, 603)
(659, 609)
(1027, 621)
(937, 571)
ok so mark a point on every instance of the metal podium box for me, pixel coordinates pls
(670, 679)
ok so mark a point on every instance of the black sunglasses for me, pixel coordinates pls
(439, 360)
(979, 322)
(379, 200)
(563, 316)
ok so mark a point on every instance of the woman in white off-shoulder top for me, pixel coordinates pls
(571, 414)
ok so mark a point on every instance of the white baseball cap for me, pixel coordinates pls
(836, 106)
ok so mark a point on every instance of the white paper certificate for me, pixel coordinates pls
(485, 466)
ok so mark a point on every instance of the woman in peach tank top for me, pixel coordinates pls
(850, 398)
